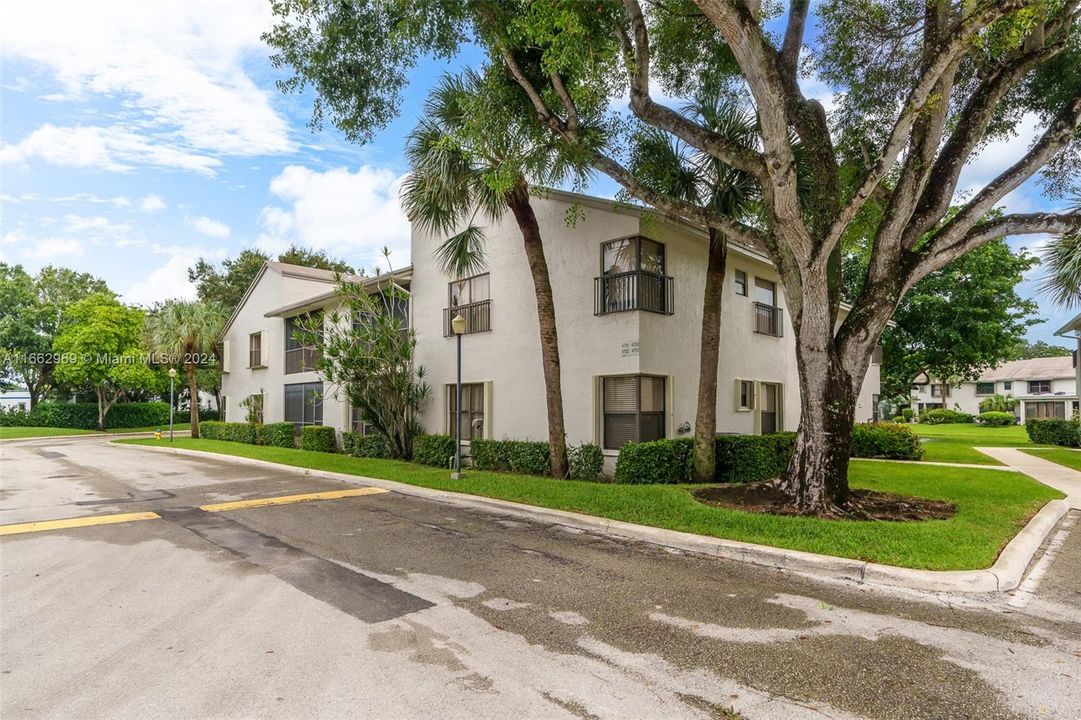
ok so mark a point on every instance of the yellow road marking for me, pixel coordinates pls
(287, 499)
(43, 525)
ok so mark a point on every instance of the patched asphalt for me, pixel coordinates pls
(394, 606)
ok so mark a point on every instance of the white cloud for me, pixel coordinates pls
(167, 282)
(152, 203)
(96, 225)
(207, 226)
(53, 249)
(351, 214)
(177, 69)
(994, 157)
(114, 148)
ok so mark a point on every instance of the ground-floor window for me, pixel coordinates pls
(304, 404)
(875, 414)
(472, 410)
(633, 407)
(1045, 409)
(358, 425)
(255, 408)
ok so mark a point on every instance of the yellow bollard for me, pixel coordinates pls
(157, 434)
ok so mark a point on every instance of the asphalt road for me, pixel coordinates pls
(387, 606)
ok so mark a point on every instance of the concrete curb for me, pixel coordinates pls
(1004, 575)
(82, 436)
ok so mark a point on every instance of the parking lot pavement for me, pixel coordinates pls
(383, 605)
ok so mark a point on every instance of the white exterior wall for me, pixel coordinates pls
(508, 357)
(271, 291)
(964, 395)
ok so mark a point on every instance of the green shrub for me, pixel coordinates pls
(14, 417)
(234, 432)
(349, 442)
(320, 438)
(657, 461)
(885, 440)
(998, 403)
(994, 418)
(206, 413)
(84, 416)
(434, 450)
(899, 419)
(519, 456)
(282, 434)
(941, 416)
(1053, 432)
(907, 414)
(371, 446)
(750, 458)
(586, 461)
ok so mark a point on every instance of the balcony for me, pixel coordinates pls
(768, 320)
(478, 317)
(634, 290)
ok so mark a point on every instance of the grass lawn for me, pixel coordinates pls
(14, 433)
(991, 505)
(955, 443)
(1062, 456)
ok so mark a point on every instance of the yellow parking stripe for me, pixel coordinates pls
(287, 499)
(43, 525)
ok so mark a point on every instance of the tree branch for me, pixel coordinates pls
(636, 58)
(793, 36)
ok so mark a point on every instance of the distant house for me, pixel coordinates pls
(15, 400)
(1043, 387)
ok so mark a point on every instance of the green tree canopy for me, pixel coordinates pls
(1039, 349)
(101, 349)
(36, 309)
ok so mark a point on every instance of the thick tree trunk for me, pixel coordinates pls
(193, 404)
(518, 200)
(705, 422)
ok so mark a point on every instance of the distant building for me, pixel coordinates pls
(15, 400)
(1043, 388)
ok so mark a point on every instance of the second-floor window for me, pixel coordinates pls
(298, 356)
(471, 298)
(985, 388)
(1039, 387)
(632, 277)
(767, 316)
(255, 350)
(936, 390)
(741, 283)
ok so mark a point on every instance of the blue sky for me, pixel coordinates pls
(136, 137)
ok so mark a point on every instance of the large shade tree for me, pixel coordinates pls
(184, 334)
(922, 87)
(467, 168)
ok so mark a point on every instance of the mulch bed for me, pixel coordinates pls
(763, 497)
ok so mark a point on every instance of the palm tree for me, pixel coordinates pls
(186, 333)
(680, 172)
(1062, 271)
(462, 168)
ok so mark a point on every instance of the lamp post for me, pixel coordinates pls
(458, 326)
(172, 403)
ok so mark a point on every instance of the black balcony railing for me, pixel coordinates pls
(768, 320)
(478, 317)
(634, 290)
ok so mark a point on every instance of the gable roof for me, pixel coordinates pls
(403, 275)
(1052, 368)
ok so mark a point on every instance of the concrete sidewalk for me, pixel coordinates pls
(1051, 474)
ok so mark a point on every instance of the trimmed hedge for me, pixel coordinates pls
(940, 416)
(235, 432)
(1054, 432)
(84, 416)
(995, 418)
(906, 413)
(369, 446)
(519, 456)
(282, 434)
(320, 438)
(586, 461)
(739, 458)
(885, 440)
(434, 450)
(750, 458)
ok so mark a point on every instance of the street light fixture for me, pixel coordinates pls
(172, 403)
(458, 326)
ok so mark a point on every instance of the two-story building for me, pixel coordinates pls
(1042, 387)
(628, 289)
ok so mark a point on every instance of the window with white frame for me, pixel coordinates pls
(745, 395)
(304, 404)
(633, 409)
(472, 410)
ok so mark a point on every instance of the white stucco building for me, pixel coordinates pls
(1043, 388)
(628, 290)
